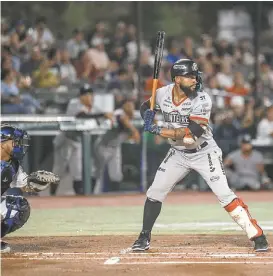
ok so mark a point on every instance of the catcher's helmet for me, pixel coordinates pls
(20, 140)
(184, 67)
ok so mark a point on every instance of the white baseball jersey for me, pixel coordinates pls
(178, 115)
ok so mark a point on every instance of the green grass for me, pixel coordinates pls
(128, 220)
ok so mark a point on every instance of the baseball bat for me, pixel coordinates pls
(157, 63)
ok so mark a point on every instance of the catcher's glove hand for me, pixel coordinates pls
(40, 180)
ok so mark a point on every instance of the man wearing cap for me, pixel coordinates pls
(67, 145)
(245, 167)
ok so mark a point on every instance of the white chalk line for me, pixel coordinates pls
(146, 254)
(144, 257)
(194, 262)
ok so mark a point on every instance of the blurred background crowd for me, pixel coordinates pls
(113, 56)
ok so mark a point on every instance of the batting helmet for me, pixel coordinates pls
(184, 67)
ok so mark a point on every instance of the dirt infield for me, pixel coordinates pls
(169, 255)
(181, 255)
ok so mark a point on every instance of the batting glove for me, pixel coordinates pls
(148, 118)
(155, 129)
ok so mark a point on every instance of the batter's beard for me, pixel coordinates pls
(187, 90)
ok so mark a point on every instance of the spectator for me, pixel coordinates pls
(84, 68)
(11, 100)
(118, 54)
(31, 65)
(120, 37)
(226, 133)
(188, 50)
(208, 72)
(41, 35)
(99, 58)
(76, 44)
(206, 47)
(48, 74)
(239, 86)
(245, 167)
(265, 127)
(67, 70)
(267, 80)
(224, 77)
(174, 53)
(4, 32)
(223, 48)
(99, 34)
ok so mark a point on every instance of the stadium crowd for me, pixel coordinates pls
(34, 58)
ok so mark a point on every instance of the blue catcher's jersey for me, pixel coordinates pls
(9, 170)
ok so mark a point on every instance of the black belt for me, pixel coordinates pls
(196, 149)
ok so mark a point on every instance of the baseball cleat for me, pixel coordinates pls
(143, 241)
(5, 248)
(261, 244)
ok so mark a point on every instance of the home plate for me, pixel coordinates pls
(113, 260)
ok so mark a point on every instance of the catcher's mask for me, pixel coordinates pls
(19, 138)
(184, 67)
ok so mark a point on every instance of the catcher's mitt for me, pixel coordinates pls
(40, 180)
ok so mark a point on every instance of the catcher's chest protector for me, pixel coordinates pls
(8, 172)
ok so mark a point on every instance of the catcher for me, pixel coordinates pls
(15, 209)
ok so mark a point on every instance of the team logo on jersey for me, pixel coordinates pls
(175, 117)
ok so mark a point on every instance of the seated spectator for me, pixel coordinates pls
(67, 70)
(31, 65)
(265, 127)
(20, 40)
(84, 68)
(118, 54)
(188, 50)
(266, 74)
(99, 34)
(225, 77)
(12, 102)
(41, 35)
(6, 52)
(243, 114)
(48, 74)
(206, 47)
(245, 167)
(4, 32)
(208, 72)
(99, 58)
(174, 53)
(239, 86)
(76, 44)
(226, 133)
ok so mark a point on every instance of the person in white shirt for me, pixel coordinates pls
(76, 44)
(225, 78)
(265, 127)
(67, 70)
(41, 35)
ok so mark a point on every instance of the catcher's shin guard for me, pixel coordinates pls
(238, 210)
(15, 211)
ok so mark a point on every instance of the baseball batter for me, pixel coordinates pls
(186, 111)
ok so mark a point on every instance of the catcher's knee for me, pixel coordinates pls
(15, 212)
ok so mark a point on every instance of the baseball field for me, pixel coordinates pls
(91, 236)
